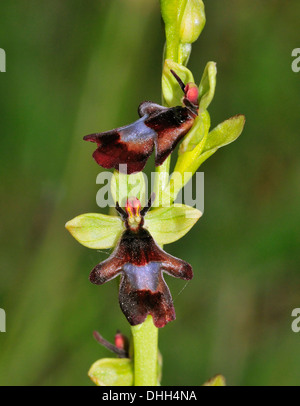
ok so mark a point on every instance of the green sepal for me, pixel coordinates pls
(95, 230)
(169, 224)
(125, 186)
(112, 372)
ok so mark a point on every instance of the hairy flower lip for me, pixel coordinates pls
(128, 148)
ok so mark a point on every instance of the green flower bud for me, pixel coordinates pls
(172, 93)
(192, 21)
(207, 85)
(184, 22)
(184, 52)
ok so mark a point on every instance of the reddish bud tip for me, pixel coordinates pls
(192, 93)
(120, 341)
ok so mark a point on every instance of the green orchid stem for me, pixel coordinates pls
(145, 343)
(162, 174)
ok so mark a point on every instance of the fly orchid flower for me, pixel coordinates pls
(160, 127)
(141, 263)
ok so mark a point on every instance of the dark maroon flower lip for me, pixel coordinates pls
(141, 263)
(128, 148)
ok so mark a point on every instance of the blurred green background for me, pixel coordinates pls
(76, 67)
